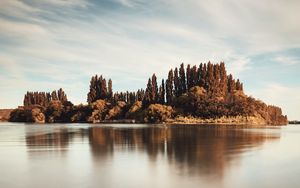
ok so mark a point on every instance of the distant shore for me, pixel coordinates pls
(294, 122)
(5, 114)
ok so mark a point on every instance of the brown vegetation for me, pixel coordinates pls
(156, 113)
(4, 114)
(202, 93)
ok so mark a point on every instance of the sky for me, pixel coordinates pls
(50, 44)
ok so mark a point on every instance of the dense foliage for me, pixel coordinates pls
(204, 91)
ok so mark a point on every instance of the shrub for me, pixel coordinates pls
(135, 111)
(156, 113)
(117, 111)
(54, 111)
(100, 109)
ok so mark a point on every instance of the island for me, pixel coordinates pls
(203, 94)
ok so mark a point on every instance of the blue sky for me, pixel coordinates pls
(48, 44)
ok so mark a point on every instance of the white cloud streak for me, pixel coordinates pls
(287, 60)
(283, 96)
(130, 46)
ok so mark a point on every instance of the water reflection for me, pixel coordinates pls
(190, 150)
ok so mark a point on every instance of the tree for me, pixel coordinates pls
(182, 87)
(209, 80)
(148, 95)
(61, 95)
(98, 89)
(176, 83)
(194, 76)
(140, 95)
(230, 84)
(161, 93)
(43, 99)
(103, 90)
(202, 78)
(110, 91)
(188, 77)
(169, 87)
(239, 85)
(54, 96)
(223, 79)
(154, 91)
(216, 90)
(92, 95)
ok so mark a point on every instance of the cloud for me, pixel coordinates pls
(22, 31)
(260, 26)
(237, 65)
(287, 60)
(77, 3)
(281, 95)
(128, 3)
(17, 9)
(61, 43)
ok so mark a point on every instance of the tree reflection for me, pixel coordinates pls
(189, 149)
(205, 150)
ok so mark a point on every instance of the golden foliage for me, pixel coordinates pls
(157, 113)
(116, 111)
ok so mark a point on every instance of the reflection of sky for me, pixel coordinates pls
(49, 44)
(64, 156)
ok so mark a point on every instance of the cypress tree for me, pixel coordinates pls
(92, 93)
(216, 83)
(164, 91)
(199, 74)
(154, 91)
(223, 79)
(182, 87)
(110, 91)
(188, 77)
(54, 95)
(103, 93)
(169, 87)
(203, 76)
(194, 76)
(61, 95)
(43, 98)
(161, 93)
(148, 94)
(230, 84)
(209, 81)
(176, 83)
(140, 94)
(239, 85)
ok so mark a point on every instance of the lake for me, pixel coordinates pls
(142, 156)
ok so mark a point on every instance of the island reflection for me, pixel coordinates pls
(205, 150)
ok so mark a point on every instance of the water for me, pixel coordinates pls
(82, 155)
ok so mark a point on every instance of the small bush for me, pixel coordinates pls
(117, 111)
(157, 113)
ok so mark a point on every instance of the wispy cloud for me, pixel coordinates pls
(70, 3)
(287, 60)
(281, 95)
(128, 3)
(61, 43)
(16, 8)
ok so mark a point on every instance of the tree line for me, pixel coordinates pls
(212, 77)
(44, 98)
(199, 91)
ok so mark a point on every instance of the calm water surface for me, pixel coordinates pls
(141, 156)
